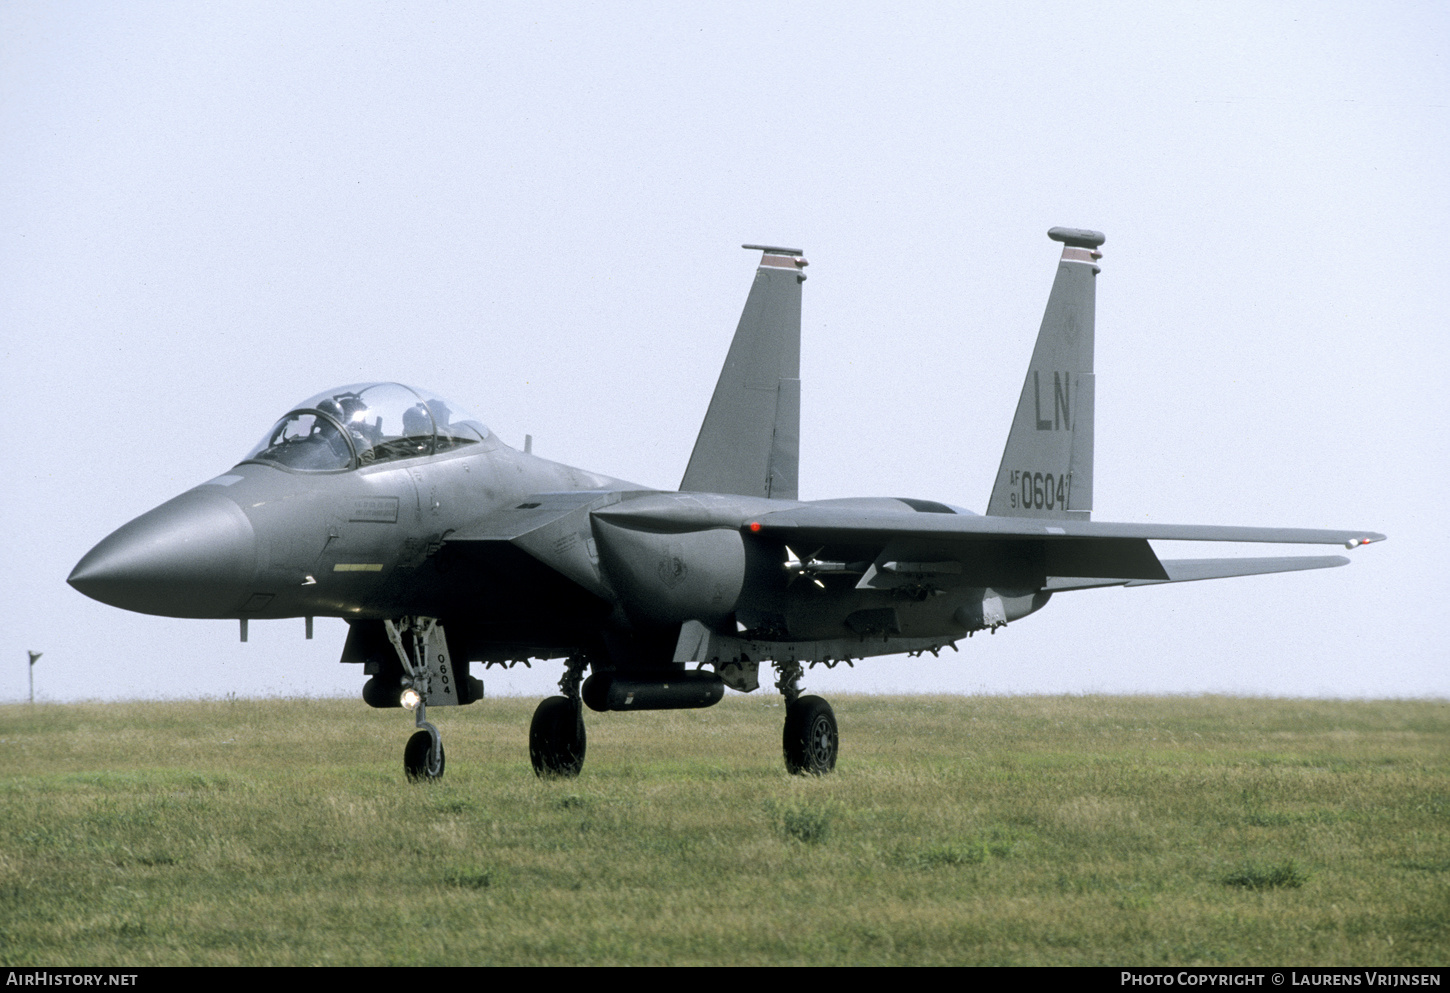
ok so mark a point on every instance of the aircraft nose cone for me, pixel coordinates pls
(194, 556)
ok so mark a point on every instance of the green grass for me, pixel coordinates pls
(1036, 830)
(1263, 877)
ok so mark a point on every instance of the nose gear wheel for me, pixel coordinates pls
(418, 763)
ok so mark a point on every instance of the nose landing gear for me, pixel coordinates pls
(423, 650)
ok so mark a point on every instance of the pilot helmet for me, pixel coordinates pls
(416, 422)
(332, 409)
(439, 410)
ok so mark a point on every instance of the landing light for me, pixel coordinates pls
(410, 699)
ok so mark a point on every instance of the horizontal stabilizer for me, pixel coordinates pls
(1188, 570)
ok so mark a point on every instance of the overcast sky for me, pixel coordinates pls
(211, 211)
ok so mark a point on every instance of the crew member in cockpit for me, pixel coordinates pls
(351, 412)
(418, 428)
(441, 414)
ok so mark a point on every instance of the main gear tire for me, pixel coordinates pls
(556, 738)
(810, 740)
(417, 759)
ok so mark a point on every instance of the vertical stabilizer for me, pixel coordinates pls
(1047, 467)
(749, 443)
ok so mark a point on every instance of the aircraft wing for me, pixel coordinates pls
(1048, 554)
(807, 523)
(1188, 570)
(1053, 554)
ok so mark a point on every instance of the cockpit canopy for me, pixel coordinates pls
(364, 424)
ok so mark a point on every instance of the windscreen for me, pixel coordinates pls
(306, 441)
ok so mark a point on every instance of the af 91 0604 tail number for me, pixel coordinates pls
(1040, 490)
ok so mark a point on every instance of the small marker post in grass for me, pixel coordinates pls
(34, 655)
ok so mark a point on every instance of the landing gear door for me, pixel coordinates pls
(423, 650)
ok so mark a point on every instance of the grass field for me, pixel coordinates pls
(992, 830)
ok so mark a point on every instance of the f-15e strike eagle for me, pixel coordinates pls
(443, 547)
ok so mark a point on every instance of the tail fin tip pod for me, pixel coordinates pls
(1047, 466)
(749, 443)
(1077, 237)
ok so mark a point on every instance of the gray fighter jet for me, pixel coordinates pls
(442, 547)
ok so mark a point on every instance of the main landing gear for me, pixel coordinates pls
(810, 740)
(557, 741)
(556, 734)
